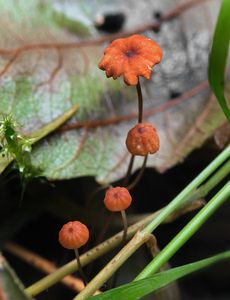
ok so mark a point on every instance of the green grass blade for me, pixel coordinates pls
(186, 232)
(219, 54)
(138, 289)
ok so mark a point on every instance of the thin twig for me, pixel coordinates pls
(43, 265)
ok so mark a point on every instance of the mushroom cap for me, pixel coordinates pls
(117, 199)
(143, 139)
(73, 235)
(131, 57)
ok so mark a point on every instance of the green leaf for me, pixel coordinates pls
(143, 287)
(218, 56)
(10, 286)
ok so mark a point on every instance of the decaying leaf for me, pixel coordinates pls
(45, 69)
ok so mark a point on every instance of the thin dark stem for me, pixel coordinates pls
(125, 225)
(80, 267)
(140, 102)
(137, 179)
(129, 171)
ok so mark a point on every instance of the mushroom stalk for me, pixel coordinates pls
(129, 170)
(139, 175)
(73, 235)
(80, 267)
(140, 102)
(119, 199)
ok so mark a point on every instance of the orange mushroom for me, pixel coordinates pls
(118, 199)
(131, 57)
(73, 235)
(143, 139)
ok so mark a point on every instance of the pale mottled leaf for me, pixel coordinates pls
(38, 85)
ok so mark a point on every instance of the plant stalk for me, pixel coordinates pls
(179, 200)
(187, 232)
(138, 240)
(213, 181)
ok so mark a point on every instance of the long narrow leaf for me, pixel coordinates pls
(219, 54)
(138, 289)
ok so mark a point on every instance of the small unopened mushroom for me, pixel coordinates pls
(118, 199)
(143, 139)
(73, 235)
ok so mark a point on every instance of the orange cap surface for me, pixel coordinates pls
(117, 199)
(131, 57)
(73, 235)
(143, 139)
